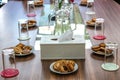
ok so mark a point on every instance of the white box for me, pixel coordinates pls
(72, 49)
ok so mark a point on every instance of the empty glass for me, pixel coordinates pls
(9, 64)
(111, 63)
(90, 7)
(90, 14)
(30, 9)
(99, 29)
(90, 19)
(23, 29)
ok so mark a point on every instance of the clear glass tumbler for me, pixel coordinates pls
(30, 9)
(23, 29)
(90, 14)
(9, 64)
(90, 7)
(111, 63)
(99, 29)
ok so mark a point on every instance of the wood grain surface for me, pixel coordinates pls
(33, 68)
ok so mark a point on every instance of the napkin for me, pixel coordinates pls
(66, 36)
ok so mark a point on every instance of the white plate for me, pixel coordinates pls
(32, 25)
(102, 53)
(90, 24)
(18, 54)
(51, 68)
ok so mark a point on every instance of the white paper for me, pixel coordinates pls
(66, 36)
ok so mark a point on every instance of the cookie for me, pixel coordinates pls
(102, 45)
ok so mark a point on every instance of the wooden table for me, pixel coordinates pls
(32, 68)
(109, 10)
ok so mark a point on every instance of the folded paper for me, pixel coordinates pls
(66, 36)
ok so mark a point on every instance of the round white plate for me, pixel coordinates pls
(32, 25)
(92, 25)
(102, 53)
(18, 54)
(51, 68)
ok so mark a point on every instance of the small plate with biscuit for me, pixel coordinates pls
(83, 3)
(100, 49)
(22, 50)
(91, 22)
(64, 67)
(31, 23)
(38, 3)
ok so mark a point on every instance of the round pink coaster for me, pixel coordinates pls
(99, 37)
(10, 72)
(31, 15)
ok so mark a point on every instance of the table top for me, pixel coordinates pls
(33, 68)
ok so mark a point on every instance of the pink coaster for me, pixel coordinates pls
(31, 15)
(10, 72)
(99, 37)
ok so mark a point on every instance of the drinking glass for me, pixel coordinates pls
(111, 63)
(90, 14)
(26, 42)
(30, 9)
(90, 7)
(9, 64)
(23, 29)
(90, 19)
(99, 29)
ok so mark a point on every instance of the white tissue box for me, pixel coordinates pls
(72, 49)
